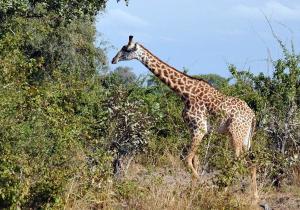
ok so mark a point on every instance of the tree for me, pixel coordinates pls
(39, 38)
(52, 115)
(215, 80)
(125, 74)
(61, 9)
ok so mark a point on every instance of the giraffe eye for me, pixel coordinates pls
(125, 48)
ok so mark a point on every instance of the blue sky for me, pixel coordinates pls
(203, 36)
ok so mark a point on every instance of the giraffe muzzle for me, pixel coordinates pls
(114, 60)
(117, 57)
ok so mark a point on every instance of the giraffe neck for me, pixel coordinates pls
(176, 80)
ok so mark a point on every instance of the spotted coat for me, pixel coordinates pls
(201, 101)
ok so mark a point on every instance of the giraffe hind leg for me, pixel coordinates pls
(241, 138)
(239, 135)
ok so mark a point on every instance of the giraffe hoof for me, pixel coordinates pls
(195, 176)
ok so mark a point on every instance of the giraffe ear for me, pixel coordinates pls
(135, 46)
(130, 40)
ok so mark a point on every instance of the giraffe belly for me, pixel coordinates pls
(223, 127)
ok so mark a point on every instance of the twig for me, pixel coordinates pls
(205, 157)
(69, 192)
(12, 31)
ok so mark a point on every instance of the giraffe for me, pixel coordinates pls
(201, 101)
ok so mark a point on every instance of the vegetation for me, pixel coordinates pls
(74, 137)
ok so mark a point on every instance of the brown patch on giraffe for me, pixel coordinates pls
(181, 88)
(179, 81)
(194, 90)
(200, 94)
(165, 73)
(159, 72)
(190, 82)
(152, 65)
(176, 74)
(187, 88)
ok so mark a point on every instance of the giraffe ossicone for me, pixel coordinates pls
(201, 101)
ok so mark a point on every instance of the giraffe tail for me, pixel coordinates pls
(253, 125)
(253, 166)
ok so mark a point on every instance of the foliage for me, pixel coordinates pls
(49, 139)
(215, 80)
(63, 10)
(125, 74)
(128, 128)
(34, 50)
(51, 108)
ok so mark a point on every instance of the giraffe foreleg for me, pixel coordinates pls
(197, 123)
(191, 155)
(196, 162)
(192, 158)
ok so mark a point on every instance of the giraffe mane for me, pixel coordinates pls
(180, 72)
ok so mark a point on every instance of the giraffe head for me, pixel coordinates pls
(128, 52)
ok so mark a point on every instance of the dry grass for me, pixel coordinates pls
(171, 187)
(296, 175)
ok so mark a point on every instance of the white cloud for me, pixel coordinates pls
(118, 16)
(273, 9)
